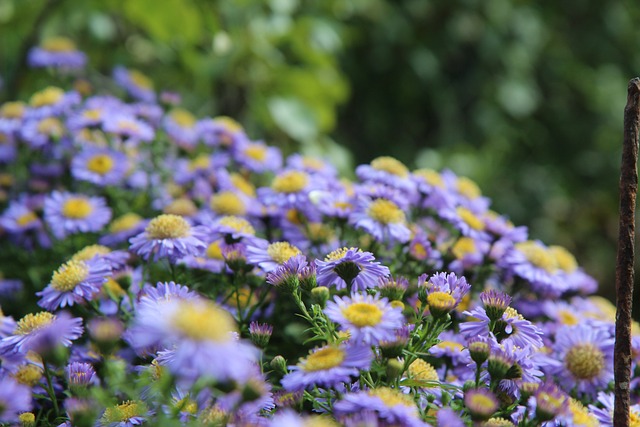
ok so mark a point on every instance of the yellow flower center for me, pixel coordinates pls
(481, 401)
(339, 254)
(227, 203)
(390, 165)
(464, 246)
(92, 114)
(362, 314)
(392, 397)
(182, 207)
(183, 118)
(538, 256)
(450, 345)
(581, 416)
(203, 322)
(243, 185)
(228, 123)
(12, 110)
(385, 212)
(100, 164)
(553, 401)
(290, 182)
(512, 313)
(468, 188)
(140, 79)
(32, 322)
(256, 152)
(214, 251)
(187, 405)
(58, 44)
(238, 224)
(567, 318)
(77, 208)
(125, 222)
(584, 361)
(112, 287)
(497, 422)
(27, 419)
(124, 412)
(88, 252)
(470, 218)
(431, 177)
(441, 300)
(50, 127)
(26, 219)
(566, 261)
(28, 375)
(420, 370)
(168, 226)
(319, 421)
(48, 96)
(323, 359)
(202, 162)
(281, 252)
(312, 163)
(634, 418)
(342, 205)
(69, 275)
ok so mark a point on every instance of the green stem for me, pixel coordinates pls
(50, 391)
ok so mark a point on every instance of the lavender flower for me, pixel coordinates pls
(42, 332)
(350, 267)
(69, 213)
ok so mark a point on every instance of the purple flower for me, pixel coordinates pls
(390, 405)
(350, 267)
(181, 126)
(14, 399)
(367, 318)
(257, 156)
(69, 213)
(73, 283)
(169, 236)
(443, 291)
(51, 101)
(57, 52)
(382, 218)
(135, 83)
(100, 166)
(122, 229)
(80, 374)
(587, 356)
(511, 327)
(129, 127)
(42, 332)
(201, 338)
(481, 403)
(269, 256)
(447, 417)
(328, 366)
(128, 414)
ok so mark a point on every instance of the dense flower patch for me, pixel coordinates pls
(161, 269)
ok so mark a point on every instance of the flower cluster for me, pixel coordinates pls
(157, 268)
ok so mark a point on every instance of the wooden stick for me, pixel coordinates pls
(626, 253)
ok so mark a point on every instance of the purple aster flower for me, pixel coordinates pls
(452, 346)
(73, 283)
(391, 405)
(169, 236)
(328, 366)
(350, 267)
(288, 275)
(222, 131)
(42, 332)
(269, 256)
(69, 213)
(51, 101)
(382, 218)
(290, 189)
(117, 260)
(23, 225)
(367, 318)
(469, 223)
(201, 338)
(137, 85)
(511, 327)
(57, 52)
(129, 127)
(122, 229)
(100, 166)
(495, 303)
(42, 132)
(181, 126)
(80, 374)
(233, 229)
(14, 399)
(549, 402)
(447, 417)
(257, 156)
(388, 171)
(312, 165)
(481, 403)
(443, 291)
(211, 260)
(587, 355)
(469, 253)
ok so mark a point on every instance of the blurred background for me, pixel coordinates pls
(524, 97)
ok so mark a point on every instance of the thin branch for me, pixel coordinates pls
(626, 253)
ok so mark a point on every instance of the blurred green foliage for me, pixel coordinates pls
(524, 97)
